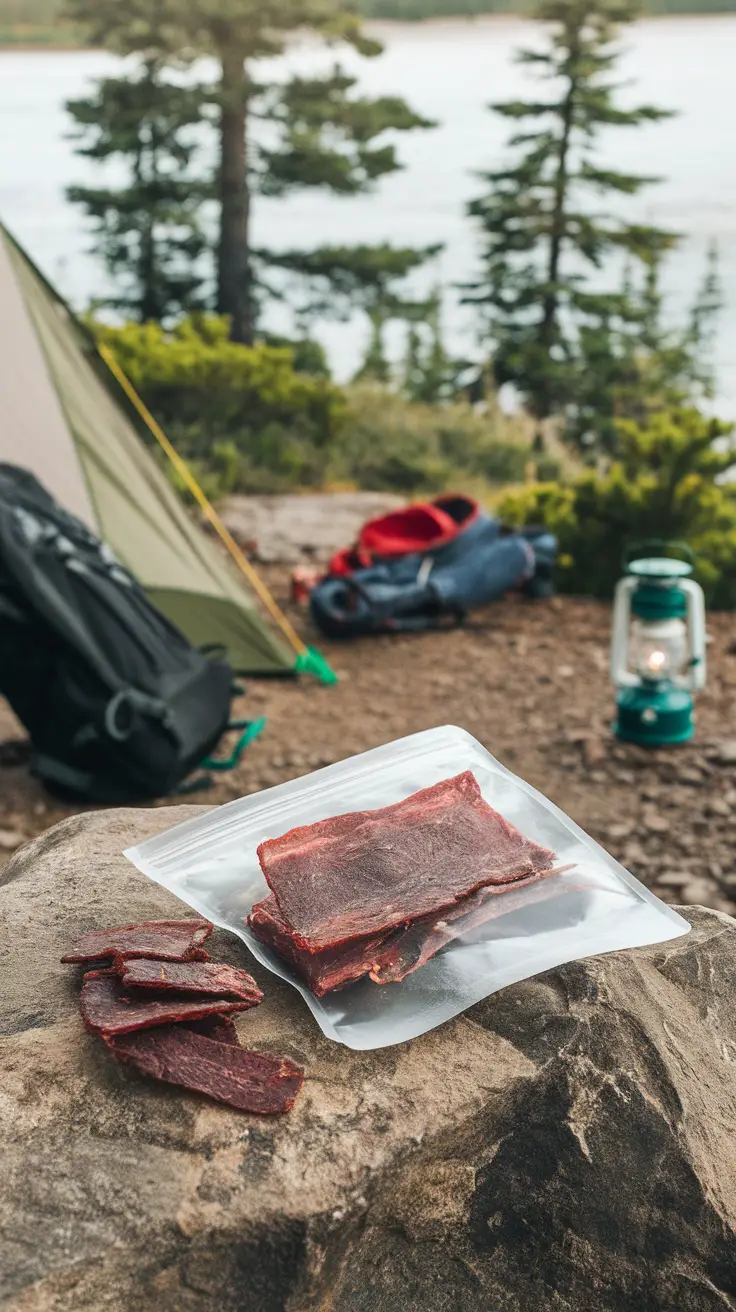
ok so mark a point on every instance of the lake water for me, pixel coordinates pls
(449, 72)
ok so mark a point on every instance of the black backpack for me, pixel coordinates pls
(118, 705)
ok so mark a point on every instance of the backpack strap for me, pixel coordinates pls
(251, 730)
(420, 623)
(122, 708)
(58, 772)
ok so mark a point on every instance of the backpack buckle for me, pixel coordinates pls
(121, 711)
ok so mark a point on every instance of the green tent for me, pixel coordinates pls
(65, 419)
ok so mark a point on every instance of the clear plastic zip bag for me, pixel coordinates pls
(593, 905)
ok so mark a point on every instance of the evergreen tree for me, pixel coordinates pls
(543, 231)
(376, 364)
(703, 318)
(332, 282)
(413, 370)
(322, 133)
(430, 374)
(631, 365)
(147, 230)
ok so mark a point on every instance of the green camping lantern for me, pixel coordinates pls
(658, 649)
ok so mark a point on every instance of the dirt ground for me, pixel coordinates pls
(529, 679)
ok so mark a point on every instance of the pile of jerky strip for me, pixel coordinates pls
(379, 893)
(161, 1005)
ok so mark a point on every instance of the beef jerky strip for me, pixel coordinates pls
(164, 940)
(108, 1009)
(323, 971)
(220, 1028)
(422, 941)
(369, 871)
(201, 977)
(387, 958)
(248, 1081)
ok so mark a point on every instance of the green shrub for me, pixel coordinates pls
(248, 420)
(204, 388)
(388, 443)
(308, 356)
(666, 485)
(245, 418)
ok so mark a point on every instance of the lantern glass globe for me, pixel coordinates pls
(659, 649)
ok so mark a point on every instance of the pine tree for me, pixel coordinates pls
(703, 318)
(333, 282)
(375, 364)
(146, 230)
(543, 232)
(632, 365)
(413, 367)
(430, 374)
(324, 134)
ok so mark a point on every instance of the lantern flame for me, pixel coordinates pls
(656, 661)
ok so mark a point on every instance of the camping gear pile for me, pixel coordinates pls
(118, 705)
(427, 566)
(160, 1005)
(438, 817)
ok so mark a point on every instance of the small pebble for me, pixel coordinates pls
(701, 892)
(10, 839)
(675, 878)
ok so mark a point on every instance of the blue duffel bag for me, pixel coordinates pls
(431, 590)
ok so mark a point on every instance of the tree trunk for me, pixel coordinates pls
(234, 277)
(550, 306)
(148, 307)
(548, 324)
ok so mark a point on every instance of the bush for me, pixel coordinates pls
(275, 422)
(248, 420)
(666, 485)
(388, 443)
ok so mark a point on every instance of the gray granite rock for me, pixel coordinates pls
(288, 529)
(569, 1144)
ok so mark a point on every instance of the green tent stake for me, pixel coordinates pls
(251, 730)
(313, 662)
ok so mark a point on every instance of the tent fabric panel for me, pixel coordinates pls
(33, 430)
(218, 620)
(131, 494)
(138, 512)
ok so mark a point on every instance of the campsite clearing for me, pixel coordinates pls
(530, 680)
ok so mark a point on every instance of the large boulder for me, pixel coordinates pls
(283, 530)
(568, 1144)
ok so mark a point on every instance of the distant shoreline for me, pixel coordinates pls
(41, 48)
(374, 24)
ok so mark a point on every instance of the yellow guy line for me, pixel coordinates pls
(185, 473)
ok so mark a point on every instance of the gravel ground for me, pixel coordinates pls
(530, 681)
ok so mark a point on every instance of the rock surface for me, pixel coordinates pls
(287, 529)
(568, 1144)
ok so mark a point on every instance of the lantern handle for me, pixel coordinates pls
(637, 550)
